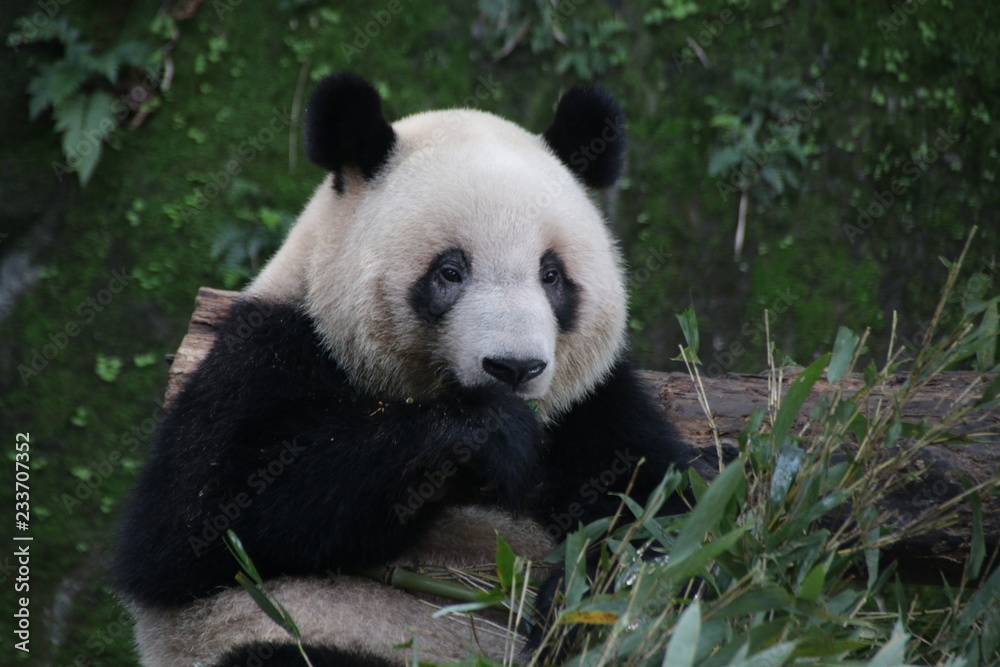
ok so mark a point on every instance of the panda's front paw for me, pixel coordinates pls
(503, 448)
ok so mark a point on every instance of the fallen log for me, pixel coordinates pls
(733, 397)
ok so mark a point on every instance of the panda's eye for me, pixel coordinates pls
(550, 276)
(452, 275)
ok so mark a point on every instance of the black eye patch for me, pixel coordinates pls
(562, 293)
(441, 286)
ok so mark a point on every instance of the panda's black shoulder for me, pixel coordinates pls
(263, 350)
(267, 367)
(263, 335)
(267, 370)
(267, 374)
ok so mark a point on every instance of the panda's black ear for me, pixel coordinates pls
(588, 135)
(344, 127)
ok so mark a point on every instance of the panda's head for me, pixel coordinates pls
(455, 248)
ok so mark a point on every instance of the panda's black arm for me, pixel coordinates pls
(268, 439)
(595, 448)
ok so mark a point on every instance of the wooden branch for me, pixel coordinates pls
(733, 397)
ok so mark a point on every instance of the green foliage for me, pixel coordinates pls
(763, 145)
(144, 360)
(252, 582)
(756, 573)
(893, 88)
(887, 97)
(670, 10)
(76, 87)
(310, 22)
(241, 247)
(582, 41)
(688, 322)
(81, 417)
(108, 368)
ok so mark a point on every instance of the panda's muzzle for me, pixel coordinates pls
(513, 372)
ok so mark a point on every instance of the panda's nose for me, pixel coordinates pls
(513, 372)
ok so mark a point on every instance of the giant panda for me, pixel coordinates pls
(436, 354)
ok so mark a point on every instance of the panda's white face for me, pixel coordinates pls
(475, 258)
(493, 320)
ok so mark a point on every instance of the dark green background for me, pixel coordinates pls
(851, 96)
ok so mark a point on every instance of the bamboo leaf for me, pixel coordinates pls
(762, 600)
(235, 547)
(709, 510)
(892, 652)
(684, 640)
(843, 353)
(589, 617)
(506, 564)
(694, 563)
(774, 656)
(990, 392)
(697, 484)
(812, 585)
(689, 327)
(987, 352)
(825, 647)
(722, 159)
(795, 397)
(987, 598)
(251, 581)
(576, 568)
(280, 617)
(466, 607)
(785, 469)
(977, 548)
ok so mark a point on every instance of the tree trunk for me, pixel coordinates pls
(732, 398)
